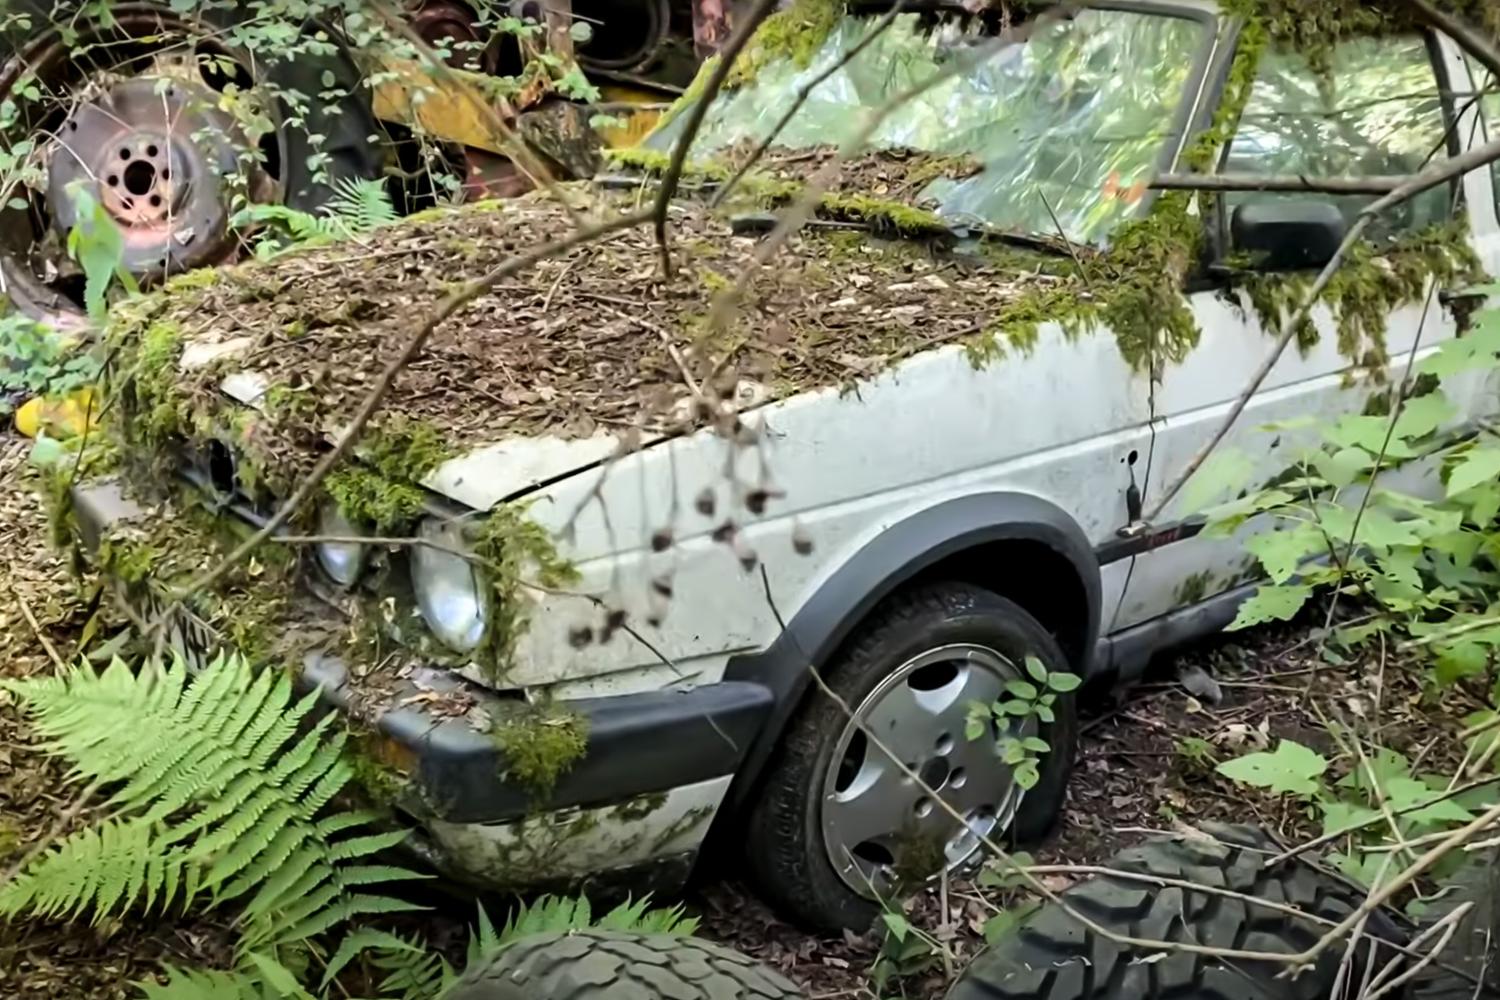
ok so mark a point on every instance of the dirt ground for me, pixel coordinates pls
(1130, 778)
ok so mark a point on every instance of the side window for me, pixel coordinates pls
(1374, 109)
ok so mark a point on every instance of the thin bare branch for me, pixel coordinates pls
(803, 93)
(1266, 182)
(1344, 831)
(36, 629)
(694, 121)
(1474, 41)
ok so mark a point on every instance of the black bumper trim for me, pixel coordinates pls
(638, 744)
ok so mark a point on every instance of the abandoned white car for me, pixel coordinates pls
(550, 589)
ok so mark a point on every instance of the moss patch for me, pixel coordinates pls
(539, 744)
(796, 32)
(514, 550)
(1367, 287)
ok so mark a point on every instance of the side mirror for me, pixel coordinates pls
(1287, 235)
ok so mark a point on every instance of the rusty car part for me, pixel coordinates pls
(164, 159)
(624, 35)
(165, 125)
(452, 26)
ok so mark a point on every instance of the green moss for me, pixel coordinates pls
(1134, 288)
(513, 549)
(366, 497)
(380, 490)
(539, 744)
(405, 450)
(883, 215)
(1315, 27)
(1202, 154)
(159, 402)
(796, 32)
(203, 277)
(654, 163)
(1367, 287)
(690, 96)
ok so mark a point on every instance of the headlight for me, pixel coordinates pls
(342, 561)
(449, 588)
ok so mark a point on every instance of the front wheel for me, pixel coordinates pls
(839, 825)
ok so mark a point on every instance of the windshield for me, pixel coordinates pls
(1066, 124)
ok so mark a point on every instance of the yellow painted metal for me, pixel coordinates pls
(452, 108)
(59, 418)
(634, 125)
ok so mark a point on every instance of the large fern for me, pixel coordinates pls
(218, 798)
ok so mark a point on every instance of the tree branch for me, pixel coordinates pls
(1473, 41)
(802, 95)
(695, 115)
(1431, 177)
(1271, 182)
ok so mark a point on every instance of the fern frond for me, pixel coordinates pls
(103, 869)
(325, 916)
(224, 781)
(359, 847)
(203, 984)
(558, 914)
(382, 943)
(360, 205)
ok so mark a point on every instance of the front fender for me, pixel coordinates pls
(892, 558)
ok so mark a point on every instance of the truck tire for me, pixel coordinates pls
(1475, 947)
(611, 965)
(1054, 957)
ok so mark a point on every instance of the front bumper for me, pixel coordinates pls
(638, 744)
(429, 730)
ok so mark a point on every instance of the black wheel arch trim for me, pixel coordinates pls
(896, 556)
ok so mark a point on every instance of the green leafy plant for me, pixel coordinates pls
(98, 246)
(1429, 567)
(1025, 700)
(217, 799)
(1378, 797)
(905, 950)
(1195, 752)
(36, 360)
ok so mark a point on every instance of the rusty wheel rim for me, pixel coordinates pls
(145, 135)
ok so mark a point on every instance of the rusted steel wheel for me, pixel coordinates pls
(166, 126)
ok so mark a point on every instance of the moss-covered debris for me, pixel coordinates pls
(514, 550)
(539, 744)
(568, 348)
(795, 32)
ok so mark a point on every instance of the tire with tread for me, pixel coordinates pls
(785, 850)
(614, 965)
(1052, 956)
(1475, 946)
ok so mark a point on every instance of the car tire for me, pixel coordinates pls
(788, 853)
(1053, 956)
(611, 965)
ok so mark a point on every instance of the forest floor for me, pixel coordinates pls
(1139, 768)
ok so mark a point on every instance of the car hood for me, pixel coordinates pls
(559, 366)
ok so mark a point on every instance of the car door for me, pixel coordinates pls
(1375, 109)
